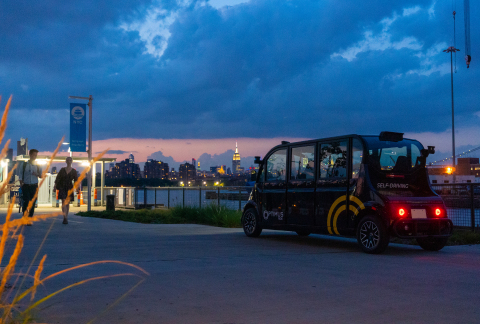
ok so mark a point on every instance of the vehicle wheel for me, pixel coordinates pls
(251, 224)
(432, 243)
(303, 233)
(372, 235)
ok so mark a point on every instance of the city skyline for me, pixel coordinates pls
(216, 71)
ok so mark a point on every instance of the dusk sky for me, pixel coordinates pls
(175, 79)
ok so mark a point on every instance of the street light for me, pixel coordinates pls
(451, 50)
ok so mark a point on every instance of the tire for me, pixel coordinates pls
(372, 235)
(251, 223)
(432, 243)
(303, 233)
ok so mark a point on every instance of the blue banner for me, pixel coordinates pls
(78, 127)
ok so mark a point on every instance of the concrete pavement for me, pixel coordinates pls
(203, 274)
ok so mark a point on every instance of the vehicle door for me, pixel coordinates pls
(301, 186)
(331, 189)
(275, 188)
(356, 186)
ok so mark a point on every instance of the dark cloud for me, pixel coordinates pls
(158, 156)
(117, 152)
(260, 69)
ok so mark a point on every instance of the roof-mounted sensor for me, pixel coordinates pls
(391, 136)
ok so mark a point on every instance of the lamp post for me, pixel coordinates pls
(452, 50)
(89, 175)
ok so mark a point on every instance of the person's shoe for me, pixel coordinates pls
(65, 221)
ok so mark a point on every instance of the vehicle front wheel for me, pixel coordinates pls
(432, 243)
(372, 235)
(251, 224)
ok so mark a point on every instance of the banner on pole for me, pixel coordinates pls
(78, 127)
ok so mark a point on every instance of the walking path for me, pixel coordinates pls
(204, 274)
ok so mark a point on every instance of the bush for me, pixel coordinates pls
(209, 215)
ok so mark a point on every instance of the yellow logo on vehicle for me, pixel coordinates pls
(342, 201)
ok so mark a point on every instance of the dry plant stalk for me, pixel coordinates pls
(10, 228)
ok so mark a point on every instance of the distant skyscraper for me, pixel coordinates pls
(22, 146)
(124, 169)
(194, 162)
(155, 169)
(198, 167)
(131, 158)
(187, 172)
(236, 160)
(10, 155)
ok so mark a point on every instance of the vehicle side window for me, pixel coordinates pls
(416, 155)
(277, 166)
(357, 155)
(333, 160)
(303, 163)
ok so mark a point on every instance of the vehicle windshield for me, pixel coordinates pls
(393, 157)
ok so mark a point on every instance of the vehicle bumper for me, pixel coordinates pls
(414, 228)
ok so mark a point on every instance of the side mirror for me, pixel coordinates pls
(257, 160)
(253, 176)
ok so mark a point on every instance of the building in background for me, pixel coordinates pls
(155, 169)
(173, 175)
(236, 160)
(187, 172)
(22, 146)
(467, 166)
(124, 169)
(10, 154)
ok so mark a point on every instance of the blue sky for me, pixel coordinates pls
(259, 69)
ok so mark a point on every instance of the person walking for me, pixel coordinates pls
(64, 183)
(29, 174)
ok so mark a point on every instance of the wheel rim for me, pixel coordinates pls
(369, 234)
(249, 222)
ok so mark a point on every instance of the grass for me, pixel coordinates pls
(12, 293)
(209, 215)
(464, 237)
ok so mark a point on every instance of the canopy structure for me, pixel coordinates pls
(83, 161)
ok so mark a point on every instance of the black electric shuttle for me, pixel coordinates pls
(369, 187)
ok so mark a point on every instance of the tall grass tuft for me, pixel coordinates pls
(10, 229)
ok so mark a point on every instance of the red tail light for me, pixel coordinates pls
(438, 212)
(401, 212)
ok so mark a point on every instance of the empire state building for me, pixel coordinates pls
(236, 160)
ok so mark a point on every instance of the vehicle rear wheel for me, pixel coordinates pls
(251, 224)
(372, 235)
(303, 233)
(432, 243)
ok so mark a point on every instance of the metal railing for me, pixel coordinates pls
(462, 202)
(168, 197)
